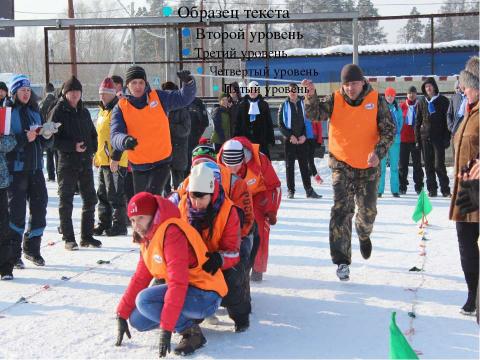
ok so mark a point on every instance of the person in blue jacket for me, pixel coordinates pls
(25, 164)
(149, 151)
(394, 151)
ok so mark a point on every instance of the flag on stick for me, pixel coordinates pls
(5, 117)
(423, 208)
(399, 346)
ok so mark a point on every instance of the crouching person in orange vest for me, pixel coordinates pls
(206, 207)
(245, 160)
(238, 300)
(173, 250)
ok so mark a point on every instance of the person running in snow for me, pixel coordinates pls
(25, 164)
(356, 148)
(112, 169)
(394, 150)
(291, 121)
(206, 207)
(76, 144)
(254, 120)
(464, 204)
(140, 126)
(244, 159)
(431, 133)
(407, 144)
(236, 189)
(170, 249)
(7, 144)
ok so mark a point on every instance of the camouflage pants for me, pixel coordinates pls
(351, 186)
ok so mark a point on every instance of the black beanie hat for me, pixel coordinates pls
(135, 72)
(412, 90)
(3, 86)
(351, 72)
(71, 84)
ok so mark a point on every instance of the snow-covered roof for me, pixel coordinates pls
(381, 48)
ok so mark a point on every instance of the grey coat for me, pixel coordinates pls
(180, 125)
(7, 144)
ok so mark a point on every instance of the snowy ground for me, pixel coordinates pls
(301, 310)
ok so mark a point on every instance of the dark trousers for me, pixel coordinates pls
(51, 161)
(237, 300)
(129, 191)
(6, 260)
(68, 178)
(177, 177)
(311, 145)
(467, 234)
(27, 186)
(434, 158)
(299, 152)
(111, 198)
(152, 180)
(407, 150)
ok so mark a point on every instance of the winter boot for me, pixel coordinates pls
(6, 277)
(36, 259)
(71, 245)
(432, 193)
(192, 339)
(31, 249)
(311, 194)
(470, 305)
(366, 248)
(343, 272)
(256, 276)
(99, 229)
(291, 194)
(397, 195)
(116, 230)
(91, 242)
(242, 323)
(19, 264)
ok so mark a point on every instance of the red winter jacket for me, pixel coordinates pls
(179, 257)
(267, 201)
(408, 131)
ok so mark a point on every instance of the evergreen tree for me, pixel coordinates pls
(457, 28)
(413, 31)
(370, 32)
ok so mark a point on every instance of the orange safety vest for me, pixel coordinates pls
(150, 126)
(154, 258)
(254, 181)
(221, 220)
(353, 131)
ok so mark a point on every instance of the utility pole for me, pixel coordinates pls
(71, 31)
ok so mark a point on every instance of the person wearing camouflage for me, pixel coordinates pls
(361, 131)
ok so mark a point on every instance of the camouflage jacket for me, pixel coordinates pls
(322, 108)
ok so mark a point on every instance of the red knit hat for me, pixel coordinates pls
(143, 203)
(107, 87)
(389, 91)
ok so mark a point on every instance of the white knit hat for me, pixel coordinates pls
(253, 84)
(202, 179)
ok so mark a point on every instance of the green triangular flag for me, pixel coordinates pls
(399, 346)
(423, 208)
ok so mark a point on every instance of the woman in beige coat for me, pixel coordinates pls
(467, 215)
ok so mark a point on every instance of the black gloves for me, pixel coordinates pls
(164, 345)
(129, 143)
(446, 143)
(213, 263)
(467, 198)
(122, 330)
(184, 76)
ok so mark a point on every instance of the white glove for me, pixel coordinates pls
(49, 128)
